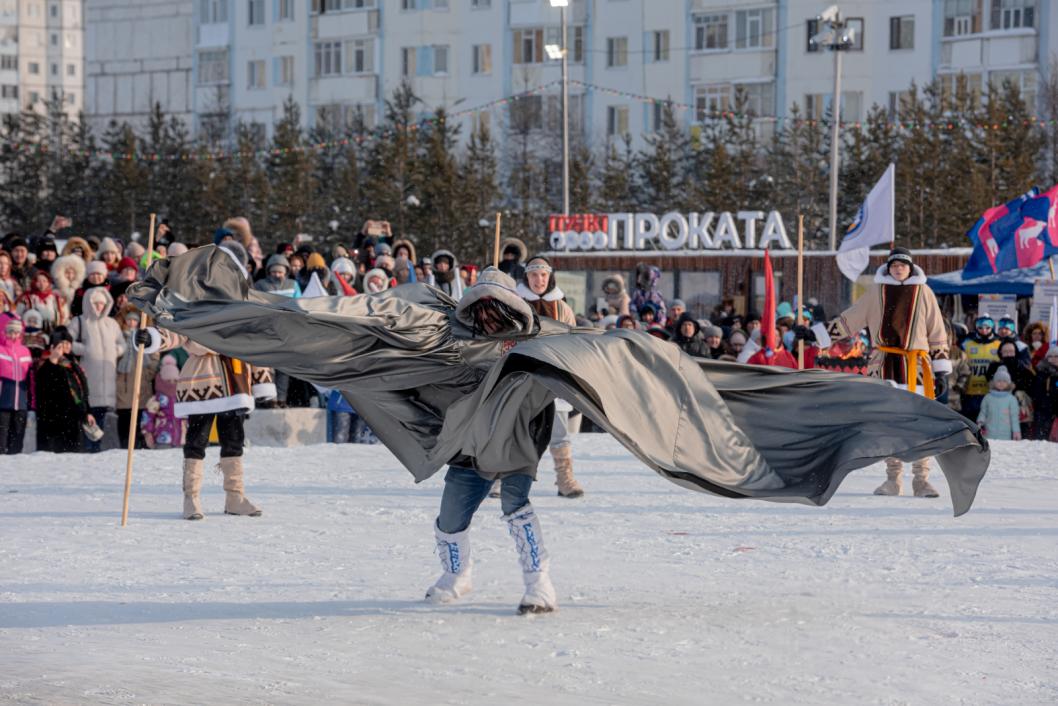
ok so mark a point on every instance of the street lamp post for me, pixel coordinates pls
(837, 37)
(561, 5)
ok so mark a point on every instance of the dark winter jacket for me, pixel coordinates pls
(695, 345)
(62, 406)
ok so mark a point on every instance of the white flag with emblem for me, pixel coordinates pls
(874, 225)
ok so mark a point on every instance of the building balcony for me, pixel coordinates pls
(339, 25)
(214, 35)
(727, 66)
(359, 88)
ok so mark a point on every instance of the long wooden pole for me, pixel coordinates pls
(496, 245)
(800, 286)
(137, 381)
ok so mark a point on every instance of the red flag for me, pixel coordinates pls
(768, 325)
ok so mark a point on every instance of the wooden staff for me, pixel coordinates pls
(137, 380)
(800, 283)
(496, 245)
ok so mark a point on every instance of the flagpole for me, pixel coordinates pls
(800, 283)
(892, 209)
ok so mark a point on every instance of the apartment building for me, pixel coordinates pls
(342, 58)
(41, 54)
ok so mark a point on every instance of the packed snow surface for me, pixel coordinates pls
(667, 596)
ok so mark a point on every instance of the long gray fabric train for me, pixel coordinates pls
(435, 391)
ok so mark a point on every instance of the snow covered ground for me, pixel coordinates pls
(667, 596)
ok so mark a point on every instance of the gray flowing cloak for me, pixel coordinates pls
(433, 392)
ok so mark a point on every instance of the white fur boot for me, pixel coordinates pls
(454, 552)
(539, 593)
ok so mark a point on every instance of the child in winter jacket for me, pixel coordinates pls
(15, 363)
(999, 409)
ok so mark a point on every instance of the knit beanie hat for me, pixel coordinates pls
(738, 337)
(898, 255)
(94, 267)
(176, 249)
(1002, 375)
(711, 330)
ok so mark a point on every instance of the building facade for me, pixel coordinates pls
(221, 61)
(41, 55)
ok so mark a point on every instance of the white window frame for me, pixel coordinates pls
(208, 63)
(481, 60)
(285, 10)
(327, 57)
(660, 39)
(712, 28)
(616, 52)
(710, 99)
(763, 19)
(617, 120)
(255, 13)
(256, 75)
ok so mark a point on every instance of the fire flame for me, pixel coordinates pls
(844, 350)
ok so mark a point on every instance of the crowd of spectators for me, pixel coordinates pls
(67, 353)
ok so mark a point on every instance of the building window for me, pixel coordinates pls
(71, 98)
(962, 17)
(440, 4)
(897, 101)
(54, 39)
(657, 116)
(754, 29)
(321, 6)
(54, 69)
(284, 70)
(255, 74)
(71, 69)
(34, 68)
(54, 10)
(815, 105)
(285, 10)
(480, 4)
(482, 59)
(1011, 14)
(214, 11)
(616, 52)
(760, 98)
(902, 32)
(255, 12)
(1024, 80)
(617, 120)
(212, 67)
(527, 113)
(709, 101)
(575, 43)
(440, 60)
(661, 45)
(9, 62)
(360, 56)
(33, 98)
(407, 5)
(710, 32)
(528, 46)
(407, 61)
(857, 26)
(8, 91)
(328, 58)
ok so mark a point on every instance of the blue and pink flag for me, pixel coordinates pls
(1017, 234)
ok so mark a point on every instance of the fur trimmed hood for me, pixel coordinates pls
(76, 242)
(493, 284)
(413, 258)
(555, 294)
(63, 263)
(882, 276)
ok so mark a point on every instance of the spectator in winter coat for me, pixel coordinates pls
(10, 289)
(46, 253)
(95, 276)
(626, 321)
(1045, 397)
(79, 247)
(403, 271)
(735, 343)
(1035, 336)
(714, 341)
(689, 337)
(1018, 367)
(648, 278)
(446, 274)
(16, 361)
(278, 280)
(648, 314)
(676, 310)
(240, 226)
(424, 271)
(512, 258)
(61, 398)
(45, 300)
(128, 319)
(981, 350)
(617, 299)
(21, 265)
(33, 336)
(344, 276)
(376, 281)
(99, 341)
(406, 249)
(68, 272)
(998, 418)
(1006, 327)
(315, 264)
(109, 254)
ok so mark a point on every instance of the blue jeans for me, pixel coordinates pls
(465, 490)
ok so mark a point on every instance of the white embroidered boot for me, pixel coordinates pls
(192, 486)
(539, 593)
(454, 552)
(920, 483)
(894, 483)
(235, 503)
